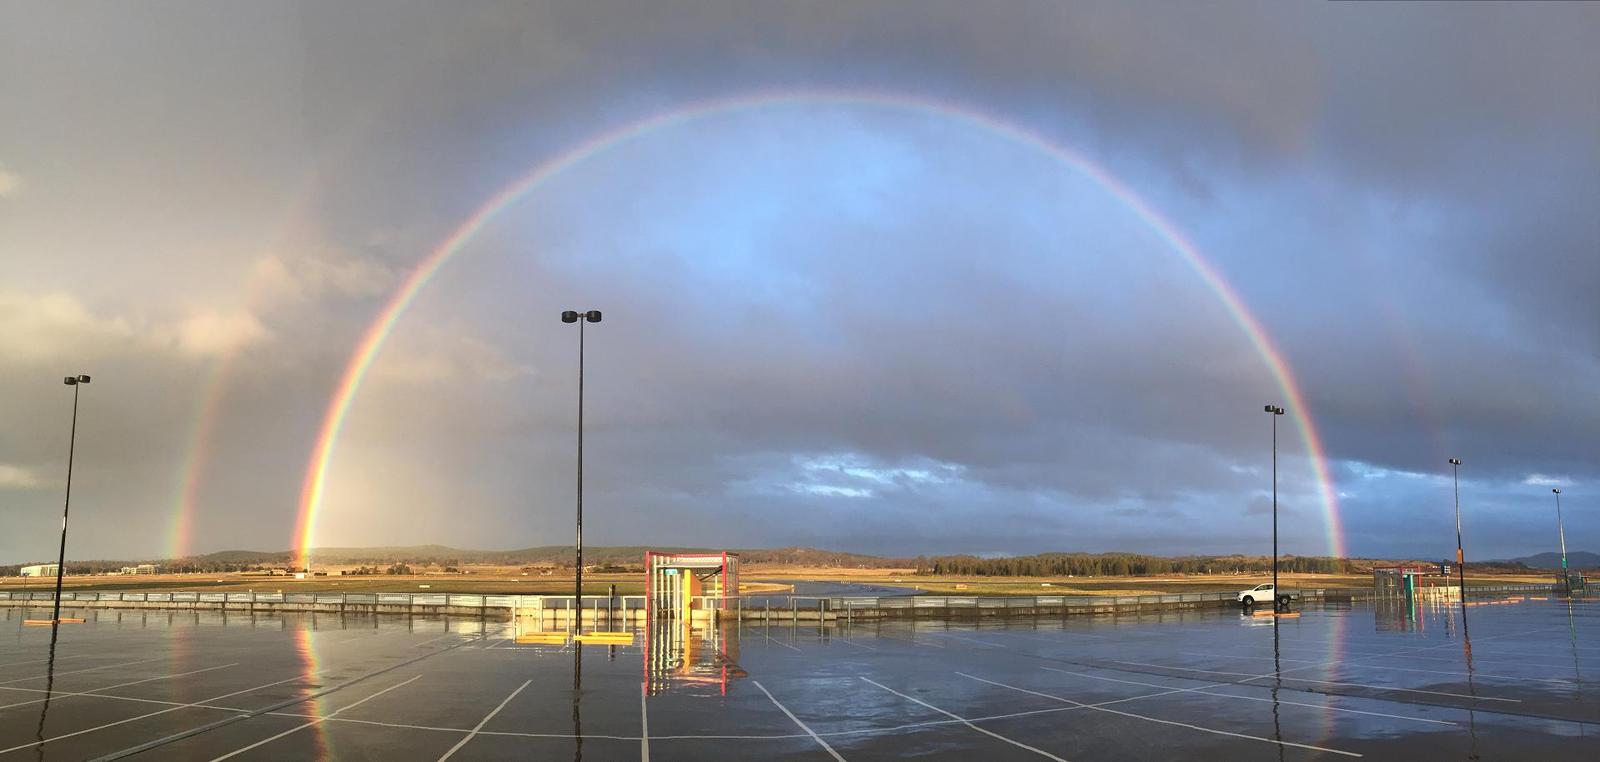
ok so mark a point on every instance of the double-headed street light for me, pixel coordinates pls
(1275, 411)
(1461, 557)
(573, 316)
(72, 442)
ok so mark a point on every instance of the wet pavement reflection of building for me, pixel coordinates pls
(691, 656)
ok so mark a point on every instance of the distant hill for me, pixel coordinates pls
(633, 555)
(1577, 559)
(244, 557)
(551, 554)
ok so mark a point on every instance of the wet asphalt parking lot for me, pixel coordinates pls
(1390, 681)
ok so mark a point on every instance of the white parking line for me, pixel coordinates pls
(481, 723)
(910, 636)
(1506, 657)
(1280, 676)
(379, 723)
(1494, 657)
(885, 730)
(107, 696)
(966, 722)
(118, 685)
(80, 671)
(803, 726)
(319, 720)
(848, 641)
(644, 729)
(1474, 674)
(984, 643)
(1063, 633)
(430, 640)
(1164, 722)
(645, 737)
(52, 739)
(1208, 692)
(38, 661)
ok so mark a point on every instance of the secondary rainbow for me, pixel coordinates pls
(372, 340)
(180, 535)
(191, 471)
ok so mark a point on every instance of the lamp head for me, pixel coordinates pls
(1455, 461)
(569, 316)
(1273, 409)
(1557, 491)
(82, 379)
(70, 380)
(592, 316)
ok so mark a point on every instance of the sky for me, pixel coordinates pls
(887, 277)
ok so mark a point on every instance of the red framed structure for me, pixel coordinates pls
(677, 584)
(679, 652)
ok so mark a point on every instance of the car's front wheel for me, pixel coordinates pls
(1248, 600)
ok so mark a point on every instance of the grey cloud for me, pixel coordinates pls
(1403, 193)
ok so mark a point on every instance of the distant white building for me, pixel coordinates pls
(40, 570)
(141, 569)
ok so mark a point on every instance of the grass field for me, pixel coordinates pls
(509, 581)
(597, 584)
(958, 585)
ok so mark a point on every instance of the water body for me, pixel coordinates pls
(805, 589)
(1396, 680)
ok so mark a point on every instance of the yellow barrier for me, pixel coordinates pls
(606, 638)
(543, 638)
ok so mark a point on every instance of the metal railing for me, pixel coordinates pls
(407, 600)
(634, 602)
(1533, 588)
(766, 604)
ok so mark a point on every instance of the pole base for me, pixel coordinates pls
(41, 622)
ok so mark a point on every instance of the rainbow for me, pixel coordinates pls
(190, 476)
(180, 535)
(305, 648)
(377, 333)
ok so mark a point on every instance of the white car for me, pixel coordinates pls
(1261, 594)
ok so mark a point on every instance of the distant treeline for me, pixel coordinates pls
(191, 566)
(617, 558)
(1122, 564)
(560, 556)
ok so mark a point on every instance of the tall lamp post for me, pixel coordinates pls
(1275, 411)
(1461, 557)
(572, 316)
(1561, 529)
(72, 443)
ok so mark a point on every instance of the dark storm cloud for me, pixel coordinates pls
(1405, 194)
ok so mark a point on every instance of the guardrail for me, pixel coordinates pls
(597, 607)
(468, 604)
(1049, 601)
(850, 606)
(1536, 588)
(559, 602)
(768, 608)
